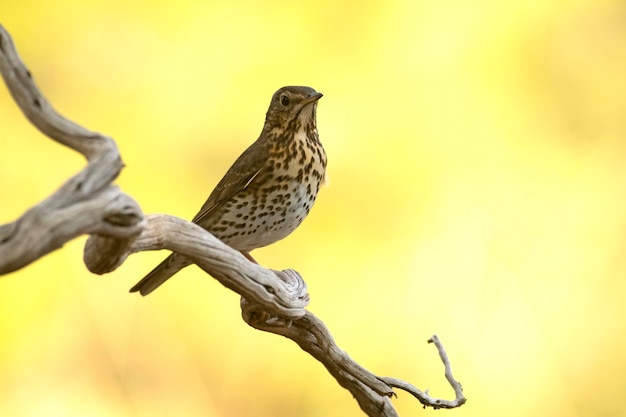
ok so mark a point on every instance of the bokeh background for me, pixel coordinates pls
(477, 163)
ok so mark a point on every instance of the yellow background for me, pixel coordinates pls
(477, 163)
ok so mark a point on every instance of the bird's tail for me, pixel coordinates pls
(170, 265)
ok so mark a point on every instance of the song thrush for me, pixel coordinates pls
(269, 189)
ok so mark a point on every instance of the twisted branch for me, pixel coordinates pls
(89, 204)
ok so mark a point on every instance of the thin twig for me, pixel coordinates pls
(424, 397)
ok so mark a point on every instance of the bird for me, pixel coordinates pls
(269, 190)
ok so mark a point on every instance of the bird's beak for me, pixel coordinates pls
(312, 98)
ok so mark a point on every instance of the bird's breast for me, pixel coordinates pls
(275, 205)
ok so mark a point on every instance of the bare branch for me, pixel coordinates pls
(274, 302)
(422, 396)
(88, 204)
(286, 297)
(40, 113)
(371, 392)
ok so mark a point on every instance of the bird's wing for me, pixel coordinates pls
(244, 171)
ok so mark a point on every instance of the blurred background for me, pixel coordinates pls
(477, 164)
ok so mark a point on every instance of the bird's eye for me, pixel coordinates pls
(284, 100)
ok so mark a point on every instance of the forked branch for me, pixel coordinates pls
(88, 203)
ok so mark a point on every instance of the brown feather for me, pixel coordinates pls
(244, 171)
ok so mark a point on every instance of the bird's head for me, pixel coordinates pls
(292, 107)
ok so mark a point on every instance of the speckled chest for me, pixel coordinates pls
(275, 205)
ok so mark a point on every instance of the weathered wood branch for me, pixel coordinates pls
(88, 203)
(371, 392)
(280, 293)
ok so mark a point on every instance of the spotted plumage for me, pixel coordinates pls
(269, 189)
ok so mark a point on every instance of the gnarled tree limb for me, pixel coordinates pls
(89, 204)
